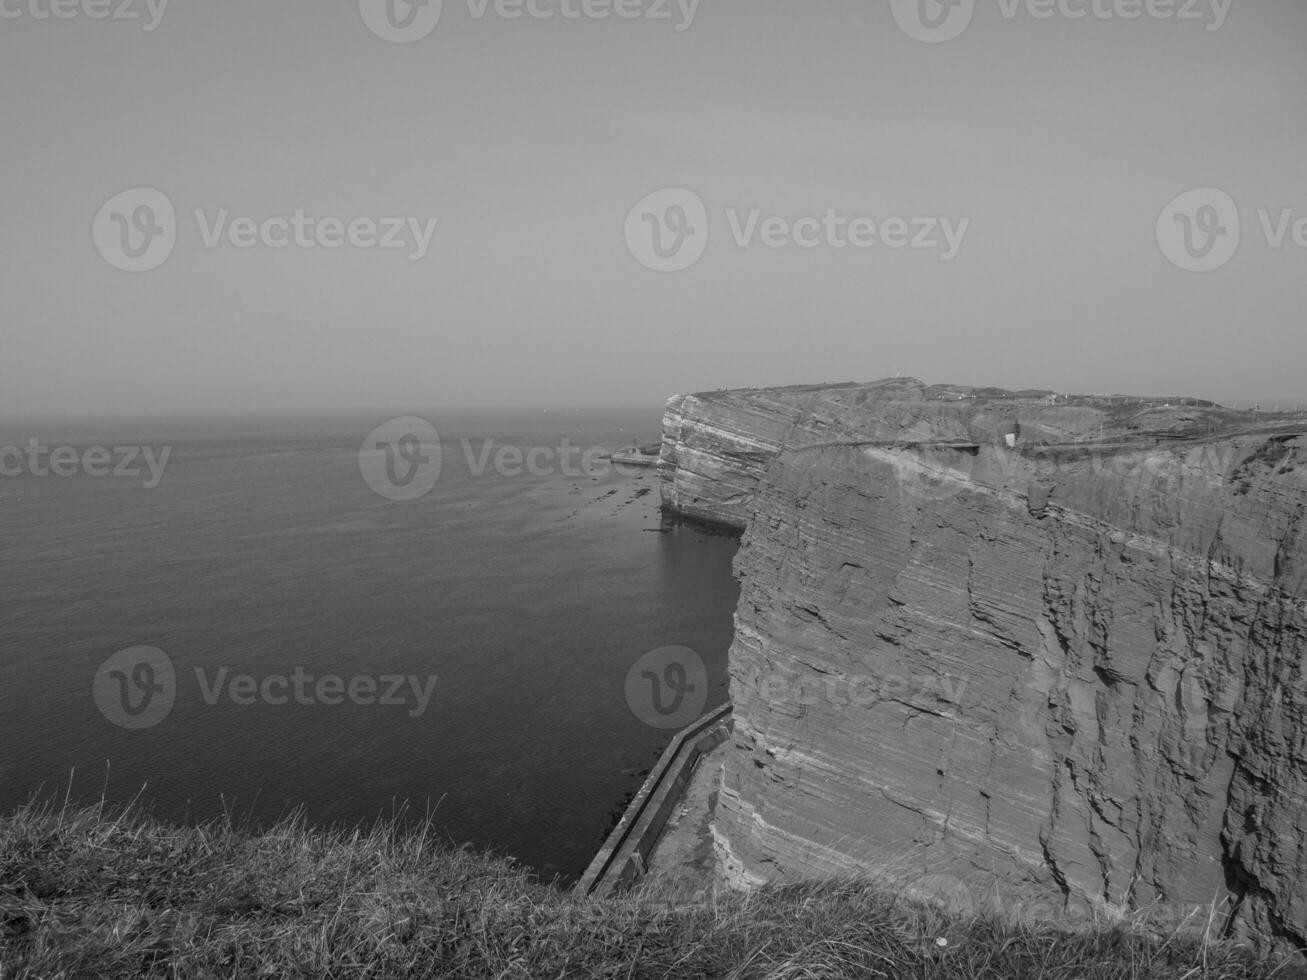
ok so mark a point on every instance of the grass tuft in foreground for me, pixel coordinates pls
(89, 892)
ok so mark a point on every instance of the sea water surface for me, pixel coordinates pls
(528, 592)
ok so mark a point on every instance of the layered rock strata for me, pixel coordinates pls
(1054, 649)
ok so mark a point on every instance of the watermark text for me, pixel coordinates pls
(149, 11)
(35, 459)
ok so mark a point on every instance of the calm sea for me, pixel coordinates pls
(528, 592)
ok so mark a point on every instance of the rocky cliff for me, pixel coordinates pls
(1049, 651)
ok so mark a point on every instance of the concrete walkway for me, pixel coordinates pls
(682, 864)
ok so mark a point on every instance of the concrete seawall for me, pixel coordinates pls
(622, 860)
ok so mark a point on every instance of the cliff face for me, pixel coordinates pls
(1054, 651)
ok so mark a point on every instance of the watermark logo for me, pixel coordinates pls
(833, 230)
(406, 21)
(565, 459)
(668, 230)
(1285, 224)
(39, 460)
(589, 10)
(1212, 13)
(401, 459)
(136, 230)
(1199, 231)
(152, 13)
(858, 690)
(305, 231)
(275, 690)
(937, 21)
(668, 687)
(136, 687)
(933, 21)
(401, 21)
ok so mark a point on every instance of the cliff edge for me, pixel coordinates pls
(1047, 650)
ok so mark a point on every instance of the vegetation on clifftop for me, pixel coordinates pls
(94, 893)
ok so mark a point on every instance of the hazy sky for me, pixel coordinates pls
(1060, 141)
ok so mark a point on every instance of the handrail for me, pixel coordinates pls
(612, 847)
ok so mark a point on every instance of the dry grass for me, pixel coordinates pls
(94, 893)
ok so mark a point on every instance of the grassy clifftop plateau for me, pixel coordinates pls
(94, 893)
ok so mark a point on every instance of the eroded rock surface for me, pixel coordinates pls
(1053, 648)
